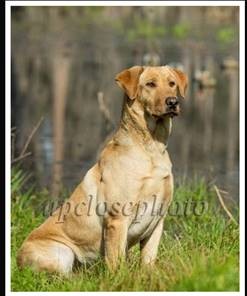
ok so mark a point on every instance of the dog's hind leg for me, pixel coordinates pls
(47, 255)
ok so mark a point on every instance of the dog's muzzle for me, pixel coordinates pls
(172, 104)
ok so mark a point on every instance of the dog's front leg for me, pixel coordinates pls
(149, 246)
(115, 240)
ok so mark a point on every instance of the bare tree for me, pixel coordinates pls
(231, 70)
(61, 66)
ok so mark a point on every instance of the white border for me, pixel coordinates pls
(242, 144)
(7, 145)
(125, 3)
(241, 5)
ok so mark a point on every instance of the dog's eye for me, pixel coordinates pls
(151, 84)
(172, 83)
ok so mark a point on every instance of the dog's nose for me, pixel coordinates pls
(171, 101)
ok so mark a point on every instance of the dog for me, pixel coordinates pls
(123, 198)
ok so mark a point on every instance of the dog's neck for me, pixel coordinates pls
(149, 131)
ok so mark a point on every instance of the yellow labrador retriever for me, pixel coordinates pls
(123, 198)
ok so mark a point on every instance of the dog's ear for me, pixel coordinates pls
(128, 80)
(182, 81)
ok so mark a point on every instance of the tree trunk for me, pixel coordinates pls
(232, 143)
(61, 67)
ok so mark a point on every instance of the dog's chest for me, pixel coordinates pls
(160, 168)
(145, 218)
(153, 202)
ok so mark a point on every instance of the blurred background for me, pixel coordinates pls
(65, 101)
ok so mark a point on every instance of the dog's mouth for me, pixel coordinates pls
(172, 113)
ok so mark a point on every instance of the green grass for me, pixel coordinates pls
(197, 253)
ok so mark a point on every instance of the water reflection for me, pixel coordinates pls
(66, 74)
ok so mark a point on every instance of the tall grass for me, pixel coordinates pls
(197, 252)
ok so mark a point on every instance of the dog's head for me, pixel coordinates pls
(158, 89)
